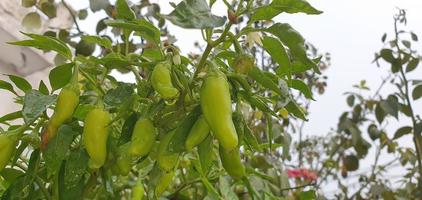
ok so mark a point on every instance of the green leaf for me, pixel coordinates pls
(124, 11)
(261, 78)
(43, 88)
(391, 106)
(97, 5)
(308, 195)
(102, 41)
(14, 191)
(302, 87)
(379, 113)
(279, 6)
(35, 103)
(57, 148)
(21, 83)
(28, 3)
(116, 97)
(127, 128)
(141, 27)
(76, 166)
(60, 76)
(11, 174)
(33, 165)
(292, 39)
(194, 14)
(256, 102)
(293, 108)
(7, 86)
(402, 131)
(412, 64)
(177, 142)
(350, 100)
(277, 51)
(82, 110)
(32, 21)
(351, 162)
(414, 36)
(115, 61)
(45, 43)
(226, 190)
(250, 139)
(387, 55)
(206, 154)
(417, 92)
(11, 116)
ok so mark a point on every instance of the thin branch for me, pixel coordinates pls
(73, 16)
(407, 96)
(298, 187)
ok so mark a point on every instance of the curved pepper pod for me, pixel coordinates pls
(67, 101)
(232, 163)
(95, 136)
(161, 81)
(138, 191)
(217, 108)
(197, 134)
(143, 137)
(163, 182)
(7, 147)
(167, 160)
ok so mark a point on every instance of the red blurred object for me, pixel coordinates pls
(302, 173)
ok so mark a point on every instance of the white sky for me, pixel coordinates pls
(350, 30)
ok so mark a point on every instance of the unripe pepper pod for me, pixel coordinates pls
(232, 163)
(217, 108)
(67, 102)
(143, 137)
(199, 131)
(163, 182)
(138, 191)
(161, 81)
(167, 160)
(7, 147)
(95, 136)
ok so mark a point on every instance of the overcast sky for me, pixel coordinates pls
(350, 30)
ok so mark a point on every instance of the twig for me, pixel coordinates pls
(73, 16)
(406, 94)
(297, 187)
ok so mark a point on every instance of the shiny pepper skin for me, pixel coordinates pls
(232, 163)
(7, 147)
(217, 108)
(67, 101)
(163, 182)
(95, 136)
(167, 160)
(143, 137)
(161, 81)
(197, 134)
(138, 191)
